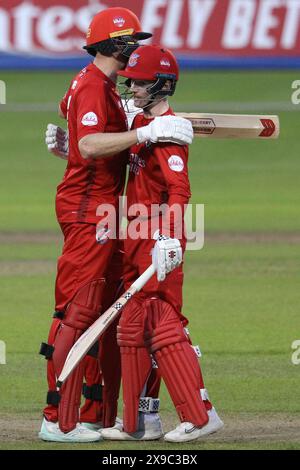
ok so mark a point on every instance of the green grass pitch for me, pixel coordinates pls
(241, 290)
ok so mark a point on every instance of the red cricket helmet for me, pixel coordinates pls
(111, 26)
(151, 62)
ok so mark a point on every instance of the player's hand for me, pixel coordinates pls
(57, 141)
(166, 255)
(173, 129)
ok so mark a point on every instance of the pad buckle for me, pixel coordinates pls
(197, 350)
(204, 394)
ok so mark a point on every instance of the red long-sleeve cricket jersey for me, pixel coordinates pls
(91, 105)
(158, 173)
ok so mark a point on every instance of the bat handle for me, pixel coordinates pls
(141, 281)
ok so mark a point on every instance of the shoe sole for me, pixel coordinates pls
(53, 439)
(131, 438)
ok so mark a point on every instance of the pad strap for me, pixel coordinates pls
(46, 350)
(59, 315)
(94, 392)
(53, 398)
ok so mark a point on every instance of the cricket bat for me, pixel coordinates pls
(233, 126)
(90, 336)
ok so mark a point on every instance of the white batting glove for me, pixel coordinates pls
(166, 255)
(167, 129)
(57, 141)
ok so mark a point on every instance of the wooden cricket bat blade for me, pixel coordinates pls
(234, 126)
(90, 336)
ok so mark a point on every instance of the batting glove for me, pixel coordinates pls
(167, 129)
(166, 255)
(57, 141)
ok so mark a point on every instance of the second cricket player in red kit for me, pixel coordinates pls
(152, 323)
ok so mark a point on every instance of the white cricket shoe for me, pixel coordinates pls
(188, 432)
(99, 425)
(51, 432)
(150, 429)
(93, 426)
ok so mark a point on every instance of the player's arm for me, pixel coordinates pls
(106, 144)
(173, 163)
(57, 138)
(162, 129)
(167, 252)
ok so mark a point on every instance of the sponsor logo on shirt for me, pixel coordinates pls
(165, 63)
(133, 60)
(176, 163)
(119, 21)
(136, 163)
(89, 119)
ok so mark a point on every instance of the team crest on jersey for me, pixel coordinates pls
(90, 119)
(119, 21)
(133, 60)
(136, 163)
(165, 63)
(176, 163)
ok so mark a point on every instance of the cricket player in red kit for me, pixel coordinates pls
(95, 175)
(152, 323)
